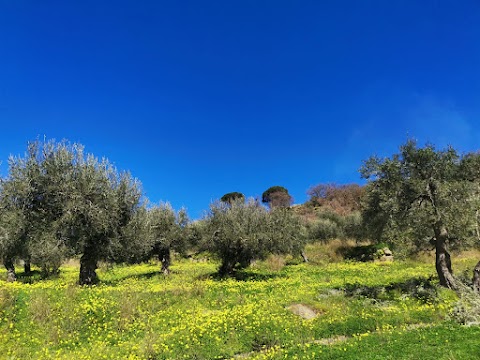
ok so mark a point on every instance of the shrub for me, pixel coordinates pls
(325, 229)
(341, 199)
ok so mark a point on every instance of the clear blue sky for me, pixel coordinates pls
(200, 98)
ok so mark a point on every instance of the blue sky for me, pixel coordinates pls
(200, 98)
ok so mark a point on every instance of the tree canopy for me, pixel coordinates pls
(244, 231)
(277, 196)
(167, 230)
(59, 201)
(424, 197)
(232, 196)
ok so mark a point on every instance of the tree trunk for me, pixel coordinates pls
(11, 275)
(476, 278)
(226, 268)
(165, 258)
(27, 266)
(443, 262)
(88, 267)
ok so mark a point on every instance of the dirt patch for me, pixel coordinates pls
(331, 341)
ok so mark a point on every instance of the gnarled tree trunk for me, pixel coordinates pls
(165, 258)
(443, 263)
(27, 266)
(9, 265)
(227, 267)
(476, 278)
(88, 267)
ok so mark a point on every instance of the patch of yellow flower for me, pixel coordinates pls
(133, 314)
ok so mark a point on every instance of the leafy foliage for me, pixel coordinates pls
(59, 201)
(242, 232)
(32, 201)
(328, 225)
(277, 196)
(167, 231)
(232, 196)
(423, 197)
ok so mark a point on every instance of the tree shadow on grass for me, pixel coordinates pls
(144, 276)
(35, 276)
(420, 288)
(363, 253)
(32, 277)
(241, 275)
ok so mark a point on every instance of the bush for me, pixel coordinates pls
(325, 229)
(466, 310)
(329, 225)
(326, 226)
(353, 228)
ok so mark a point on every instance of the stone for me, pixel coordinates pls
(385, 258)
(387, 252)
(303, 311)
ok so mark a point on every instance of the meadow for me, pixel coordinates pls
(362, 311)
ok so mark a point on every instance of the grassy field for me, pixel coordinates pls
(363, 311)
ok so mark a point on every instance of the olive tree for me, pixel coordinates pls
(12, 242)
(167, 231)
(59, 201)
(423, 197)
(98, 211)
(241, 232)
(31, 200)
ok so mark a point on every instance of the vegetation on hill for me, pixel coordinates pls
(340, 199)
(71, 217)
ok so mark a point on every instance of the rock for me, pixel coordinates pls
(385, 258)
(11, 276)
(303, 311)
(385, 255)
(387, 252)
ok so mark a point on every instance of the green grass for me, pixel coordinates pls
(137, 313)
(445, 341)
